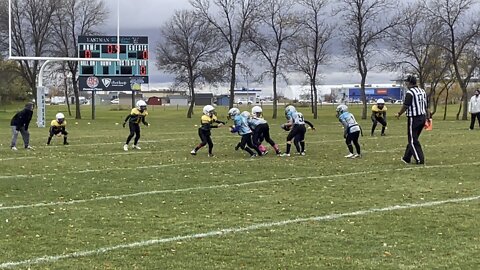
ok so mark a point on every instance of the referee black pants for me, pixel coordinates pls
(415, 125)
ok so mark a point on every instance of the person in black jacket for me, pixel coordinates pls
(19, 124)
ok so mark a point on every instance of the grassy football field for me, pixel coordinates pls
(90, 205)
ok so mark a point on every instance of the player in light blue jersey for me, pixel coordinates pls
(352, 130)
(261, 130)
(296, 126)
(241, 127)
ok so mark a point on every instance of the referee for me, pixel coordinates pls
(415, 106)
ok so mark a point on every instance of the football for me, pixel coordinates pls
(285, 127)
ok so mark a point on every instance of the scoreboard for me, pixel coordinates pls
(125, 75)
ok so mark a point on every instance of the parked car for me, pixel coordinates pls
(244, 101)
(115, 101)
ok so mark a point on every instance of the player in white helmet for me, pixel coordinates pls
(379, 115)
(208, 121)
(296, 126)
(242, 128)
(137, 115)
(57, 127)
(352, 130)
(261, 130)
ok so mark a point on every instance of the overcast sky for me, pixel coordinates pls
(144, 17)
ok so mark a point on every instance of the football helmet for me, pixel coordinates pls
(380, 101)
(60, 117)
(141, 105)
(245, 114)
(341, 109)
(209, 110)
(233, 112)
(290, 108)
(257, 110)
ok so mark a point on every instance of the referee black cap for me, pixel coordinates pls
(411, 79)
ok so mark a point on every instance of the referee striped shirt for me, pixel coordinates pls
(416, 101)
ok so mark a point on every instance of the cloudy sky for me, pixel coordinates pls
(144, 17)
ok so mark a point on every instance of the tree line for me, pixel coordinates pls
(215, 40)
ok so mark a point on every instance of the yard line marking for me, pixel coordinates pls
(121, 169)
(167, 191)
(233, 230)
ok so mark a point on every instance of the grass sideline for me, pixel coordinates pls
(91, 195)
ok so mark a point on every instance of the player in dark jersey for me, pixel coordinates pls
(207, 121)
(137, 115)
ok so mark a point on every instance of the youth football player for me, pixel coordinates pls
(296, 126)
(208, 121)
(241, 127)
(57, 127)
(351, 130)
(379, 115)
(137, 115)
(261, 130)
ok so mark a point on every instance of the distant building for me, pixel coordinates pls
(388, 93)
(247, 95)
(179, 100)
(202, 99)
(223, 100)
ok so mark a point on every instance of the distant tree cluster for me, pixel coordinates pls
(49, 28)
(437, 40)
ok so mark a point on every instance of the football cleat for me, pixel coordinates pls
(357, 156)
(253, 156)
(284, 155)
(136, 147)
(303, 153)
(125, 147)
(14, 148)
(193, 152)
(28, 147)
(350, 155)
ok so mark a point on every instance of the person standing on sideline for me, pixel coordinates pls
(415, 106)
(19, 124)
(379, 115)
(474, 109)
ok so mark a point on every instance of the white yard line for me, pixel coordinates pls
(226, 231)
(225, 186)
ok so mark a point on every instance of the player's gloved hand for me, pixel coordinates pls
(124, 123)
(146, 124)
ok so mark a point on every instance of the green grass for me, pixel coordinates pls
(92, 195)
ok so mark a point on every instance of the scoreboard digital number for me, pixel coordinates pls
(131, 71)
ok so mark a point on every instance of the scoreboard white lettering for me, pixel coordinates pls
(132, 51)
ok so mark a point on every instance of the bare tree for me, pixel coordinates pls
(365, 25)
(233, 21)
(31, 33)
(462, 24)
(75, 18)
(310, 47)
(278, 24)
(188, 50)
(415, 46)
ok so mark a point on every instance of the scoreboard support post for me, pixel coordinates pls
(93, 105)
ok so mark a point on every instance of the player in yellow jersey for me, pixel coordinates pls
(136, 116)
(379, 115)
(207, 123)
(57, 127)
